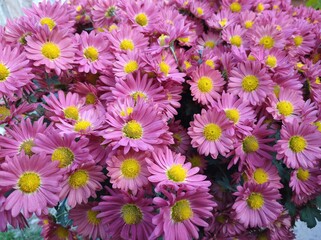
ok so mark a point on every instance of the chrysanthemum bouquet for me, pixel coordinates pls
(169, 120)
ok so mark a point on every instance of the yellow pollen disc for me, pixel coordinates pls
(130, 168)
(271, 61)
(236, 40)
(26, 147)
(187, 65)
(131, 214)
(78, 179)
(48, 21)
(181, 211)
(303, 175)
(298, 40)
(177, 173)
(195, 161)
(267, 42)
(209, 44)
(82, 126)
(4, 72)
(285, 108)
(130, 66)
(317, 80)
(162, 39)
(221, 218)
(297, 144)
(250, 144)
(223, 22)
(91, 53)
(235, 7)
(260, 176)
(4, 113)
(139, 94)
(127, 44)
(184, 40)
(210, 63)
(233, 115)
(260, 7)
(62, 233)
(318, 124)
(92, 217)
(50, 50)
(90, 98)
(133, 130)
(277, 90)
(248, 24)
(112, 27)
(255, 201)
(164, 68)
(251, 58)
(141, 19)
(205, 84)
(71, 112)
(29, 182)
(199, 11)
(250, 83)
(64, 155)
(212, 132)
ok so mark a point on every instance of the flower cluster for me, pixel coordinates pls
(175, 119)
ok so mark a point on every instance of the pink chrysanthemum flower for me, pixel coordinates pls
(53, 49)
(128, 217)
(180, 216)
(256, 205)
(170, 169)
(211, 133)
(87, 91)
(222, 19)
(92, 56)
(35, 182)
(11, 114)
(14, 70)
(247, 19)
(201, 10)
(82, 183)
(206, 85)
(208, 41)
(182, 141)
(250, 82)
(128, 172)
(127, 63)
(236, 6)
(87, 222)
(299, 145)
(104, 13)
(171, 103)
(234, 36)
(305, 181)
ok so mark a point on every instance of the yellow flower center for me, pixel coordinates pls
(260, 176)
(139, 94)
(112, 27)
(233, 115)
(162, 39)
(177, 173)
(271, 61)
(285, 108)
(235, 7)
(78, 179)
(4, 72)
(210, 63)
(130, 168)
(303, 175)
(181, 211)
(250, 144)
(250, 83)
(298, 40)
(62, 233)
(127, 44)
(64, 155)
(92, 217)
(317, 80)
(236, 40)
(260, 7)
(71, 112)
(212, 132)
(48, 21)
(164, 68)
(26, 147)
(91, 53)
(131, 214)
(184, 40)
(199, 11)
(205, 84)
(81, 126)
(90, 98)
(267, 42)
(187, 65)
(133, 130)
(4, 113)
(223, 22)
(297, 144)
(50, 50)
(209, 44)
(255, 201)
(248, 24)
(130, 66)
(29, 182)
(141, 19)
(195, 161)
(318, 124)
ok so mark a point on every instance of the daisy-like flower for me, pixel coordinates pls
(206, 85)
(256, 205)
(11, 114)
(299, 145)
(181, 139)
(14, 70)
(87, 222)
(6, 218)
(201, 10)
(305, 181)
(129, 217)
(127, 63)
(221, 20)
(247, 19)
(173, 92)
(104, 13)
(35, 182)
(170, 169)
(53, 49)
(128, 171)
(234, 36)
(211, 133)
(208, 41)
(92, 56)
(250, 82)
(181, 216)
(236, 6)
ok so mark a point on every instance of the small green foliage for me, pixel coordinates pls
(314, 3)
(310, 215)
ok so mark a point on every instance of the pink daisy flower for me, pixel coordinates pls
(211, 133)
(221, 19)
(87, 91)
(208, 41)
(128, 217)
(250, 82)
(35, 182)
(305, 181)
(53, 49)
(299, 145)
(127, 63)
(201, 10)
(104, 13)
(206, 85)
(10, 114)
(128, 172)
(236, 6)
(256, 205)
(182, 141)
(234, 36)
(171, 103)
(247, 19)
(6, 218)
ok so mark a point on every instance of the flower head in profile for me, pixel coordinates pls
(305, 181)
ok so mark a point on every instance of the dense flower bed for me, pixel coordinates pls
(176, 119)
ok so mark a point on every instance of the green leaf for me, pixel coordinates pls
(309, 215)
(314, 3)
(290, 207)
